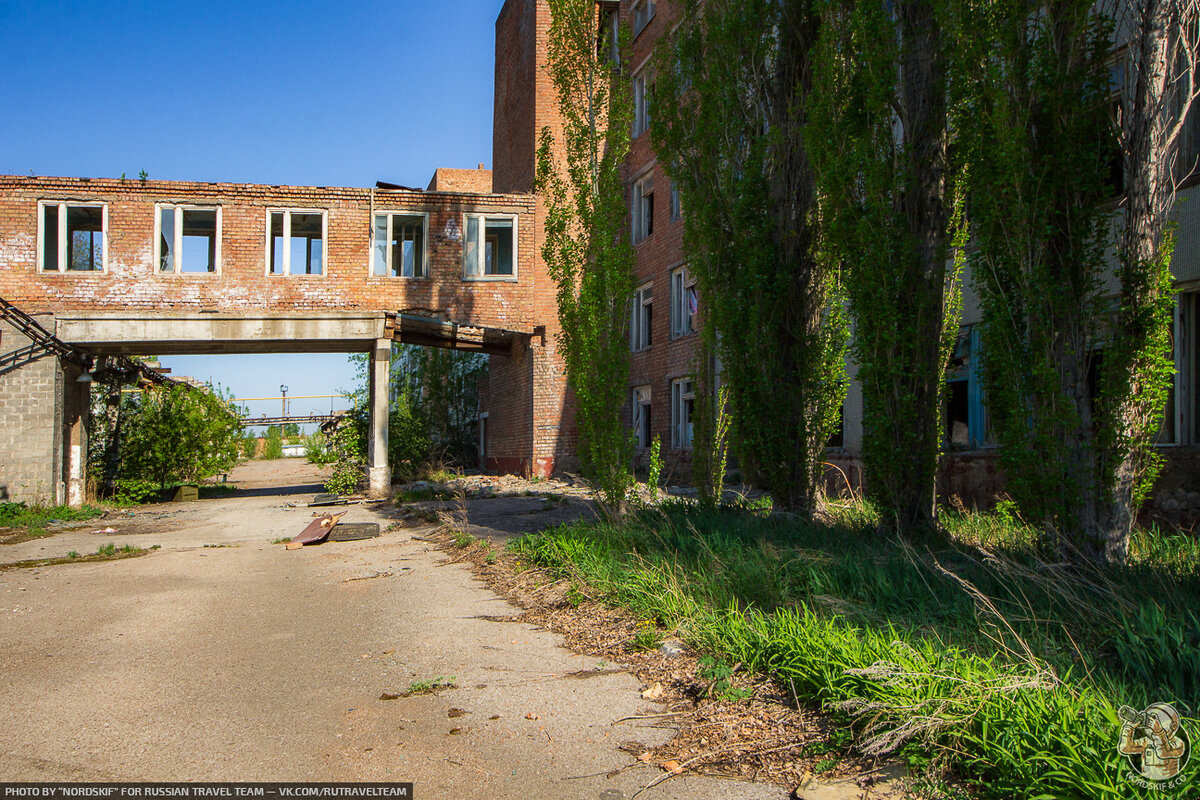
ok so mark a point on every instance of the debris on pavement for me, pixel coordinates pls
(316, 531)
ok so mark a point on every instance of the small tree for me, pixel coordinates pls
(178, 433)
(587, 249)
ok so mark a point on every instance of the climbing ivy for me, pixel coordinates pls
(878, 137)
(587, 249)
(732, 97)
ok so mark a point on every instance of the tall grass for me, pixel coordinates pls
(972, 651)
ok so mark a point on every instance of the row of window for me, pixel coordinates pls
(685, 303)
(73, 237)
(683, 399)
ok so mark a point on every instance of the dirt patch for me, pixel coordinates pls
(767, 737)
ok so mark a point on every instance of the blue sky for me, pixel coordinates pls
(302, 92)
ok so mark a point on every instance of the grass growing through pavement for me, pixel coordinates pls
(972, 652)
(105, 552)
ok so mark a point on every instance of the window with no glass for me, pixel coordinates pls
(683, 398)
(639, 329)
(188, 239)
(641, 417)
(490, 247)
(72, 236)
(400, 245)
(643, 208)
(296, 242)
(643, 12)
(685, 302)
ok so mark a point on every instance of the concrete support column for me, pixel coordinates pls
(377, 444)
(77, 404)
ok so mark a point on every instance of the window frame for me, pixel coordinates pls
(681, 281)
(639, 22)
(389, 213)
(676, 205)
(641, 336)
(641, 218)
(641, 397)
(61, 236)
(482, 256)
(177, 240)
(287, 211)
(643, 93)
(678, 398)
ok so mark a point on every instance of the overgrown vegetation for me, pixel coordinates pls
(587, 249)
(730, 104)
(975, 654)
(161, 436)
(36, 518)
(879, 141)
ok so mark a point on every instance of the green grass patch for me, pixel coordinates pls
(971, 651)
(35, 519)
(105, 552)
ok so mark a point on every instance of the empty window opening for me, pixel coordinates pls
(685, 303)
(838, 437)
(490, 247)
(643, 209)
(73, 237)
(643, 317)
(297, 241)
(683, 398)
(400, 245)
(958, 415)
(641, 417)
(188, 239)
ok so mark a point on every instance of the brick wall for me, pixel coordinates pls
(131, 282)
(476, 181)
(31, 451)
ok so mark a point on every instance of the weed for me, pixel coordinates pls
(36, 518)
(720, 678)
(72, 554)
(109, 549)
(281, 540)
(824, 765)
(430, 686)
(646, 637)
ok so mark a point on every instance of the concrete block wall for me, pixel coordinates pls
(31, 449)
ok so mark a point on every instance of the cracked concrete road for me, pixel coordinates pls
(223, 657)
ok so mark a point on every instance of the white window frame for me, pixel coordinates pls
(682, 431)
(177, 247)
(287, 237)
(390, 213)
(682, 322)
(641, 211)
(480, 252)
(643, 12)
(640, 334)
(642, 86)
(641, 403)
(61, 236)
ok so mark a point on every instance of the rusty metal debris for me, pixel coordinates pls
(316, 531)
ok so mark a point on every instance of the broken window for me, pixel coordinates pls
(683, 398)
(643, 208)
(641, 417)
(685, 302)
(609, 44)
(639, 329)
(399, 245)
(676, 206)
(72, 236)
(297, 242)
(490, 247)
(643, 94)
(643, 12)
(187, 239)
